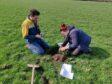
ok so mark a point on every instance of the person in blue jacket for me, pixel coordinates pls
(32, 34)
(76, 41)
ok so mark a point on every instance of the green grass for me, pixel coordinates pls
(93, 17)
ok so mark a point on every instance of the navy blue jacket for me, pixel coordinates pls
(77, 38)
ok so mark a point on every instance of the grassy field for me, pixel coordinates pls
(95, 18)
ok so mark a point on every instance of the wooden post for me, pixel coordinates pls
(33, 66)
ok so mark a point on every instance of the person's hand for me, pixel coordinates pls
(38, 36)
(62, 49)
(42, 34)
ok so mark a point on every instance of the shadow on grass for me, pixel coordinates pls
(40, 70)
(97, 52)
(52, 50)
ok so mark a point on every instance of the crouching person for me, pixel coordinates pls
(32, 34)
(76, 41)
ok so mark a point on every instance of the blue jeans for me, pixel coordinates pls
(38, 46)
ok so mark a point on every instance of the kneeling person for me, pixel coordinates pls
(78, 40)
(32, 33)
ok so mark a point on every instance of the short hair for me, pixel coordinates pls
(34, 12)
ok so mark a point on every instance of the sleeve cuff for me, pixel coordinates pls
(67, 47)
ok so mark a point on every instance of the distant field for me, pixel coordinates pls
(95, 18)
